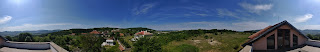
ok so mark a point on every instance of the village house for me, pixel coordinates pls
(10, 46)
(121, 34)
(141, 34)
(280, 37)
(112, 43)
(115, 30)
(83, 33)
(94, 32)
(108, 42)
(105, 34)
(73, 34)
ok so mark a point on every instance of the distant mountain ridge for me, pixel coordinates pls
(312, 32)
(167, 30)
(36, 32)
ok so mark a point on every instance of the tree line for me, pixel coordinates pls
(314, 37)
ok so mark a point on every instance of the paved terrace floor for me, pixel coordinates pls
(7, 49)
(304, 48)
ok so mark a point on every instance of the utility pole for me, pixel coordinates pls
(278, 18)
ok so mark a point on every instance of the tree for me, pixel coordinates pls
(22, 37)
(124, 43)
(75, 42)
(310, 36)
(147, 45)
(45, 39)
(201, 31)
(90, 43)
(28, 39)
(59, 40)
(9, 38)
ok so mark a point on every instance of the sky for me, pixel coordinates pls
(239, 15)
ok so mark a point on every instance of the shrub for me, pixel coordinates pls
(124, 43)
(206, 37)
(236, 47)
(186, 48)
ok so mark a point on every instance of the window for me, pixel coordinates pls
(295, 40)
(283, 38)
(270, 42)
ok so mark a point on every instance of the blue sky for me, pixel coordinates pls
(19, 15)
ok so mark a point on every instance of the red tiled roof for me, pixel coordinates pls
(143, 33)
(140, 33)
(121, 48)
(73, 34)
(94, 32)
(121, 34)
(83, 33)
(259, 32)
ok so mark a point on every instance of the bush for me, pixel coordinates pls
(90, 43)
(185, 48)
(9, 38)
(22, 37)
(235, 47)
(124, 43)
(206, 37)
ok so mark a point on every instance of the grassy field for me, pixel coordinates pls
(222, 42)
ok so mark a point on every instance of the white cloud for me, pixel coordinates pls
(250, 25)
(225, 12)
(143, 9)
(303, 18)
(186, 26)
(203, 15)
(256, 8)
(41, 27)
(5, 19)
(239, 26)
